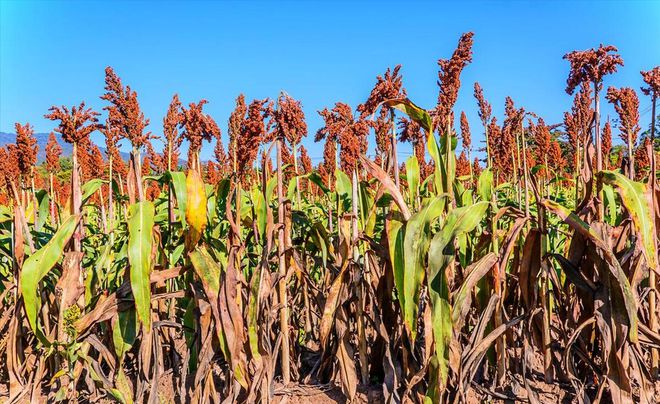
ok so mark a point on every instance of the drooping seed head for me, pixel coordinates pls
(652, 80)
(197, 126)
(75, 124)
(591, 65)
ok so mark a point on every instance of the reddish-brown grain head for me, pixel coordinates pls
(124, 111)
(449, 79)
(626, 105)
(388, 86)
(289, 119)
(197, 127)
(53, 153)
(652, 80)
(606, 143)
(466, 137)
(75, 124)
(485, 110)
(591, 65)
(250, 136)
(26, 146)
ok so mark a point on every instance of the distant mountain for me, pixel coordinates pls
(42, 141)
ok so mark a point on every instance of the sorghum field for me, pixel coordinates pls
(528, 275)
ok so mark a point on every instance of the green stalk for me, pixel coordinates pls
(362, 339)
(395, 163)
(653, 321)
(599, 153)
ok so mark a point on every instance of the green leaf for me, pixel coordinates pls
(610, 204)
(415, 248)
(124, 332)
(634, 197)
(253, 312)
(270, 188)
(416, 113)
(291, 189)
(178, 182)
(43, 200)
(260, 213)
(37, 265)
(485, 184)
(90, 187)
(441, 254)
(316, 179)
(396, 233)
(434, 151)
(344, 189)
(412, 175)
(140, 241)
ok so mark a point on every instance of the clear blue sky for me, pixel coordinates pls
(54, 52)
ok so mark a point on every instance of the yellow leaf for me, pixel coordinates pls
(195, 208)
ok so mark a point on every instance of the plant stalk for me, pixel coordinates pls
(284, 310)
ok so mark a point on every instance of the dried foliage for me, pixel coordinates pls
(471, 286)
